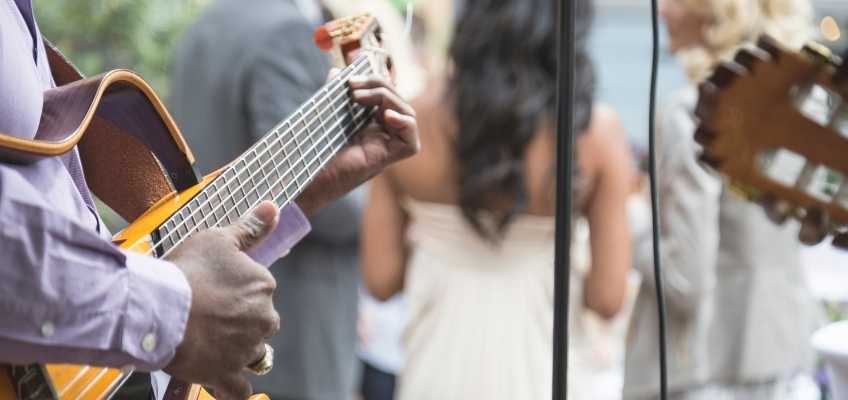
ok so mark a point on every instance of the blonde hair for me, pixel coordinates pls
(732, 24)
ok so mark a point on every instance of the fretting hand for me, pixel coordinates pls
(390, 137)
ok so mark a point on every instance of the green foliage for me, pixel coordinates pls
(99, 35)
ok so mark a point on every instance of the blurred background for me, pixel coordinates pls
(142, 35)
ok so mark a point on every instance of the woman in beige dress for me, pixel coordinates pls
(466, 228)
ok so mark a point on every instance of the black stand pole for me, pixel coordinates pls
(565, 153)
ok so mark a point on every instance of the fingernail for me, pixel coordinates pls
(357, 79)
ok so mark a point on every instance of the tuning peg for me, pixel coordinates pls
(778, 211)
(748, 57)
(814, 226)
(841, 240)
(817, 53)
(725, 73)
(709, 160)
(707, 99)
(769, 45)
(704, 136)
(841, 64)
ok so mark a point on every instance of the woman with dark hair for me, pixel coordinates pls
(467, 228)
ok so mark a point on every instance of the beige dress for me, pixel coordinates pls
(481, 316)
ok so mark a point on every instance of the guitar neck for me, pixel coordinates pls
(280, 165)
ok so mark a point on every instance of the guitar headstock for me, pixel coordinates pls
(347, 37)
(774, 122)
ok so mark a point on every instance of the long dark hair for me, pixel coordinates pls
(502, 88)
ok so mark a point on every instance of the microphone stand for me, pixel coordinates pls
(565, 154)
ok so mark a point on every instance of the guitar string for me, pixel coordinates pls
(311, 174)
(332, 142)
(272, 159)
(304, 156)
(74, 380)
(298, 134)
(293, 135)
(291, 138)
(91, 384)
(332, 90)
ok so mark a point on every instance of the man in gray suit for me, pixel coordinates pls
(239, 70)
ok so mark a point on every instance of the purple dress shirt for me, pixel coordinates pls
(67, 295)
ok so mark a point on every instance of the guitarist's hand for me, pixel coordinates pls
(232, 312)
(390, 137)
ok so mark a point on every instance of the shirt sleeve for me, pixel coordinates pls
(291, 228)
(71, 297)
(689, 200)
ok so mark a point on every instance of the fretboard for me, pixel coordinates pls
(279, 166)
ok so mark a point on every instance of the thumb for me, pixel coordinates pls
(252, 228)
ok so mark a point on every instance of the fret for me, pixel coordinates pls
(168, 243)
(177, 218)
(316, 129)
(240, 187)
(193, 216)
(300, 127)
(278, 193)
(275, 178)
(229, 202)
(292, 189)
(182, 229)
(219, 214)
(322, 138)
(271, 138)
(242, 208)
(289, 145)
(228, 175)
(311, 106)
(287, 132)
(253, 194)
(288, 178)
(268, 165)
(205, 211)
(275, 148)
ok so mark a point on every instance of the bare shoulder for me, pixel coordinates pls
(422, 175)
(604, 143)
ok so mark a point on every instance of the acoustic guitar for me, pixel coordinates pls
(774, 122)
(127, 139)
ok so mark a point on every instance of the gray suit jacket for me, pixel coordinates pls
(240, 69)
(739, 310)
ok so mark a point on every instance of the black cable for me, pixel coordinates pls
(655, 229)
(565, 153)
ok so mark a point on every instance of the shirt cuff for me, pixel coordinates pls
(157, 312)
(291, 228)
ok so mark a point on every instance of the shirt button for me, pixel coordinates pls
(48, 329)
(148, 342)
